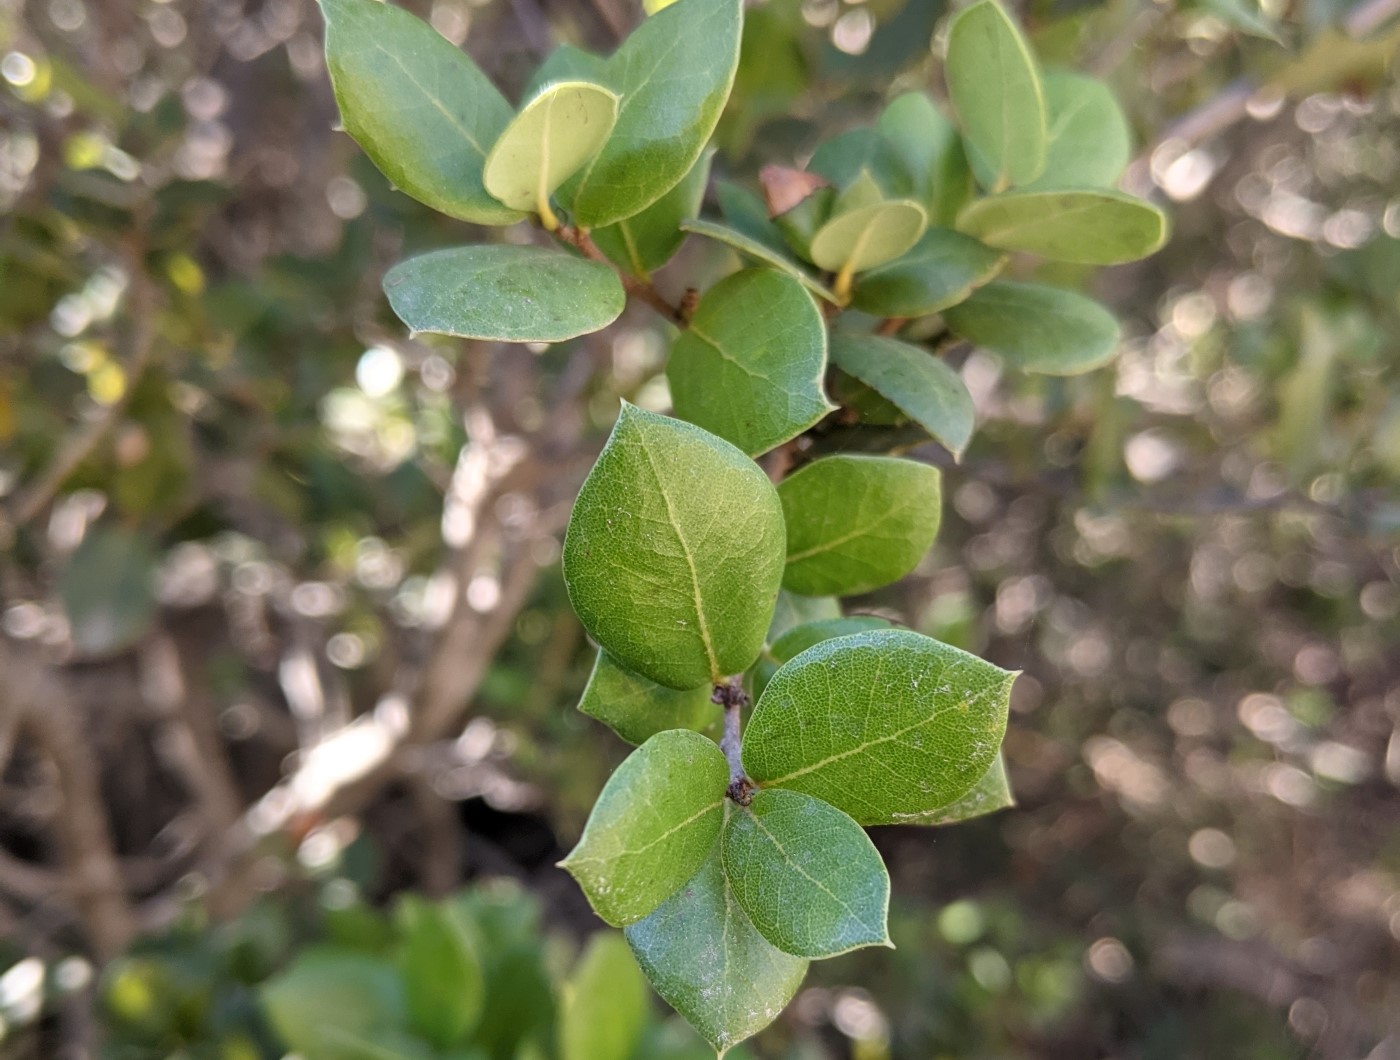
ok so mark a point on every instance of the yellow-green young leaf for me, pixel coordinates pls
(989, 795)
(918, 384)
(605, 1006)
(855, 523)
(942, 269)
(673, 73)
(869, 236)
(654, 823)
(441, 970)
(551, 138)
(863, 191)
(995, 85)
(932, 153)
(809, 878)
(504, 293)
(1037, 328)
(419, 107)
(711, 965)
(799, 638)
(761, 252)
(750, 366)
(643, 243)
(1089, 145)
(659, 570)
(637, 708)
(883, 725)
(1088, 227)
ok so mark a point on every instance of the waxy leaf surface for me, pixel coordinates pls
(674, 74)
(918, 384)
(942, 269)
(868, 236)
(885, 725)
(637, 708)
(932, 153)
(559, 130)
(994, 83)
(674, 552)
(988, 795)
(504, 293)
(799, 638)
(654, 823)
(1038, 328)
(644, 242)
(419, 107)
(761, 252)
(704, 956)
(855, 523)
(1090, 144)
(750, 366)
(1087, 227)
(807, 875)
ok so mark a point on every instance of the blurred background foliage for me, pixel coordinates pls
(284, 636)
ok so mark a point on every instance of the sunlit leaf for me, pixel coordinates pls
(637, 708)
(869, 236)
(605, 1003)
(1089, 227)
(885, 725)
(1038, 328)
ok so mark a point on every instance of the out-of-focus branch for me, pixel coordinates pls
(92, 875)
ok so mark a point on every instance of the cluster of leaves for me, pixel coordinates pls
(471, 977)
(732, 866)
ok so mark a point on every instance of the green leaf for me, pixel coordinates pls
(869, 236)
(995, 86)
(1089, 227)
(652, 826)
(674, 73)
(760, 252)
(637, 708)
(442, 973)
(504, 293)
(920, 385)
(1038, 328)
(799, 638)
(990, 794)
(863, 191)
(885, 725)
(662, 575)
(794, 610)
(810, 880)
(855, 523)
(552, 137)
(645, 242)
(567, 63)
(750, 366)
(711, 965)
(605, 1007)
(932, 153)
(844, 158)
(942, 269)
(1089, 142)
(747, 214)
(108, 590)
(332, 990)
(419, 107)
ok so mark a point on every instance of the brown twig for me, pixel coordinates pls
(641, 290)
(731, 696)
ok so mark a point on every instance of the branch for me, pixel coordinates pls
(732, 697)
(579, 239)
(93, 875)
